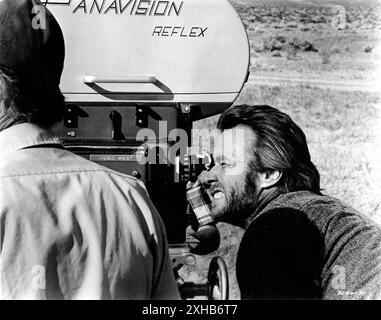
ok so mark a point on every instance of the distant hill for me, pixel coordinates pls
(345, 3)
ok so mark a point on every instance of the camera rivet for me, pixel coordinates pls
(136, 174)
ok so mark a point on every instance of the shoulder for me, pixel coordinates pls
(329, 214)
(46, 161)
(339, 221)
(283, 252)
(58, 169)
(105, 178)
(281, 229)
(281, 221)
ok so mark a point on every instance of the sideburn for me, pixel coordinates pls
(242, 205)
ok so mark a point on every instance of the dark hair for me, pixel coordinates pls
(279, 145)
(24, 100)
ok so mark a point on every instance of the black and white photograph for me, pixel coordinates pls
(188, 150)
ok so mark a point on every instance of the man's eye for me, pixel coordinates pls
(226, 165)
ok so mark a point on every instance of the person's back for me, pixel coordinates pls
(305, 245)
(351, 262)
(69, 228)
(73, 229)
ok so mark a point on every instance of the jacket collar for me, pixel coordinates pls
(264, 200)
(25, 135)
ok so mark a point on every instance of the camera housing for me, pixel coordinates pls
(137, 75)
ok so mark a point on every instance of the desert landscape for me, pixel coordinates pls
(325, 73)
(305, 39)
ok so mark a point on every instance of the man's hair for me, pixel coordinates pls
(279, 145)
(24, 101)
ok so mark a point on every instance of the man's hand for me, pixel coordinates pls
(205, 240)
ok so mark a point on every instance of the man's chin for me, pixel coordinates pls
(218, 210)
(235, 215)
(227, 216)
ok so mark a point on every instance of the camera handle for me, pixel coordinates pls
(217, 285)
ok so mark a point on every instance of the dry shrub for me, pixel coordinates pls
(325, 54)
(292, 25)
(335, 50)
(258, 46)
(368, 48)
(307, 46)
(275, 43)
(291, 52)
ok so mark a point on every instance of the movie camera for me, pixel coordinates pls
(137, 74)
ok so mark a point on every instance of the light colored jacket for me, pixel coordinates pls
(72, 229)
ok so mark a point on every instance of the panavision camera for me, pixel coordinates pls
(137, 74)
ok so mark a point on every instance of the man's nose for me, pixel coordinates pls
(210, 176)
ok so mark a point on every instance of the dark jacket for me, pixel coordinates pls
(304, 245)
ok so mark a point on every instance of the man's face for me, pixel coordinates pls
(233, 183)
